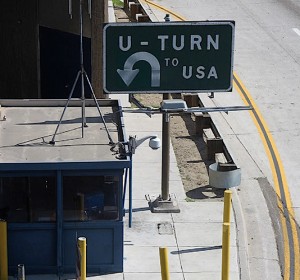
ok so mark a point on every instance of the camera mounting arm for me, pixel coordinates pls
(133, 143)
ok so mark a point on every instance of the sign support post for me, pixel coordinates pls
(165, 169)
(165, 203)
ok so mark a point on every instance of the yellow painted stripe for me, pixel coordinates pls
(287, 196)
(287, 260)
(164, 9)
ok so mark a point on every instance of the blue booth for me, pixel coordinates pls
(51, 194)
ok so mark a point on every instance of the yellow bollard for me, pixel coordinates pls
(226, 236)
(3, 251)
(227, 206)
(164, 263)
(226, 251)
(82, 256)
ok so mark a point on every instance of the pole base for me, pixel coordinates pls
(158, 205)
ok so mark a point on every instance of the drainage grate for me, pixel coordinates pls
(165, 228)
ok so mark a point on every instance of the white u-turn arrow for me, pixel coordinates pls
(128, 74)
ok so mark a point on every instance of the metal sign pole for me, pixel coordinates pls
(165, 171)
(165, 203)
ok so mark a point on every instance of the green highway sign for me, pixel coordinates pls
(168, 57)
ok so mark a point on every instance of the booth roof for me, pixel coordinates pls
(27, 128)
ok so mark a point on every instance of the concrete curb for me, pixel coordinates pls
(241, 240)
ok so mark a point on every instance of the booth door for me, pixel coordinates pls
(91, 209)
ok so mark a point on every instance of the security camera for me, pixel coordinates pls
(154, 143)
(133, 143)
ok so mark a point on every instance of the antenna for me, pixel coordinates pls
(82, 74)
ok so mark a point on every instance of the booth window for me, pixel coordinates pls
(28, 199)
(90, 198)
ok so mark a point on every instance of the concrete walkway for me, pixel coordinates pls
(193, 236)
